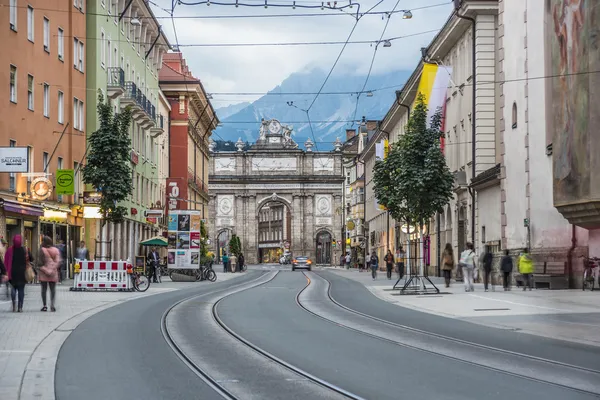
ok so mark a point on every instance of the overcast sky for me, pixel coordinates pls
(259, 69)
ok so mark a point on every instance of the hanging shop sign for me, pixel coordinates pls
(13, 159)
(65, 181)
(41, 188)
(92, 198)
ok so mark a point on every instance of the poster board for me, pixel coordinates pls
(140, 265)
(183, 239)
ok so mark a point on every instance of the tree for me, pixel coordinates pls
(235, 245)
(414, 181)
(108, 167)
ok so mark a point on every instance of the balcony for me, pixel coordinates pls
(196, 183)
(159, 126)
(143, 111)
(116, 82)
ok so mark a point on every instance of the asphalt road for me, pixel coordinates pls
(373, 369)
(354, 295)
(121, 353)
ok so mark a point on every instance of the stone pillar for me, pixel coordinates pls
(297, 224)
(250, 242)
(309, 236)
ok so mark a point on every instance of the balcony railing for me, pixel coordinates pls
(135, 95)
(116, 82)
(197, 182)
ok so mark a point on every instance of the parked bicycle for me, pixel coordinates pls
(205, 272)
(139, 281)
(591, 272)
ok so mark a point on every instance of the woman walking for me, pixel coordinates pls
(389, 263)
(506, 265)
(400, 261)
(467, 263)
(50, 260)
(16, 262)
(448, 263)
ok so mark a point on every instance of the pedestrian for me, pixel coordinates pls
(233, 262)
(17, 262)
(487, 268)
(526, 269)
(241, 261)
(506, 265)
(400, 261)
(368, 262)
(348, 259)
(448, 263)
(49, 259)
(154, 258)
(225, 262)
(389, 263)
(374, 264)
(62, 248)
(82, 252)
(467, 263)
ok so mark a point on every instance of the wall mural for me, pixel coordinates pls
(574, 51)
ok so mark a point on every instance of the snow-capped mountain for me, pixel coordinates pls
(330, 115)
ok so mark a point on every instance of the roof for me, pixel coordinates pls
(178, 73)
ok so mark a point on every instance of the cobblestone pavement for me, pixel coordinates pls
(561, 314)
(30, 341)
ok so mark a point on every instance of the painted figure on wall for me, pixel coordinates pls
(572, 53)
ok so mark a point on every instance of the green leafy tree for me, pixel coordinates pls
(414, 181)
(108, 167)
(235, 245)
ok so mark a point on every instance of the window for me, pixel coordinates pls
(46, 100)
(60, 166)
(46, 34)
(45, 157)
(12, 177)
(30, 92)
(61, 107)
(81, 55)
(514, 115)
(13, 15)
(78, 4)
(102, 48)
(61, 44)
(13, 84)
(30, 22)
(30, 168)
(76, 113)
(81, 116)
(108, 53)
(76, 183)
(103, 3)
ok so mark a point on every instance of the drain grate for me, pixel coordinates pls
(491, 309)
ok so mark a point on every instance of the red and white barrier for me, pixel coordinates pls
(101, 275)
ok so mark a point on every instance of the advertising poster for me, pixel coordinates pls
(183, 239)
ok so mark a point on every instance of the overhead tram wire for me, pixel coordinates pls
(373, 60)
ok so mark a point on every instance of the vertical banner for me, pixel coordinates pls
(434, 86)
(184, 239)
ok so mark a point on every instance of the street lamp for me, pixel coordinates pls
(135, 21)
(387, 43)
(407, 15)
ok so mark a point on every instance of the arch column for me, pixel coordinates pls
(298, 234)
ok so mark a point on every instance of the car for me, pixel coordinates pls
(301, 263)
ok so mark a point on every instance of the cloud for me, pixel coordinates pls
(259, 69)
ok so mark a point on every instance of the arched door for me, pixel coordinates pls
(222, 243)
(323, 248)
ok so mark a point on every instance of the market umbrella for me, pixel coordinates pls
(155, 241)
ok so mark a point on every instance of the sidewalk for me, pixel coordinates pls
(572, 315)
(30, 341)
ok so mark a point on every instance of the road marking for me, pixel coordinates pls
(520, 304)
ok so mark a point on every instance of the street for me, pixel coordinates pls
(275, 334)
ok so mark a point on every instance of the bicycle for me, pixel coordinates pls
(139, 281)
(591, 272)
(206, 272)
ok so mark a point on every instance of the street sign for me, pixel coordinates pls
(65, 181)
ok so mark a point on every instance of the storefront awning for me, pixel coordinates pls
(21, 208)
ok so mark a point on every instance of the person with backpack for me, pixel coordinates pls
(50, 260)
(467, 263)
(19, 271)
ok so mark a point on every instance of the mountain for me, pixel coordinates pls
(330, 115)
(224, 112)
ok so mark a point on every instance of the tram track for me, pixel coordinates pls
(220, 386)
(449, 346)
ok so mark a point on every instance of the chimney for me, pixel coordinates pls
(350, 133)
(372, 125)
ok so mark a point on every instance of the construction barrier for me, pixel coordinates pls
(101, 275)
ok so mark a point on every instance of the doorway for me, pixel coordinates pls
(274, 231)
(223, 243)
(323, 248)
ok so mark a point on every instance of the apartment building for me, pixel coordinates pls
(42, 119)
(123, 62)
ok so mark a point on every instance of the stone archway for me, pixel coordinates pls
(222, 242)
(274, 229)
(323, 249)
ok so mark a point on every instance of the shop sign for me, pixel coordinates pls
(13, 159)
(173, 195)
(134, 157)
(55, 215)
(41, 188)
(93, 198)
(151, 220)
(91, 212)
(65, 181)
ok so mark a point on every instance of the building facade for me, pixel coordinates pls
(274, 232)
(123, 64)
(308, 184)
(192, 120)
(42, 100)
